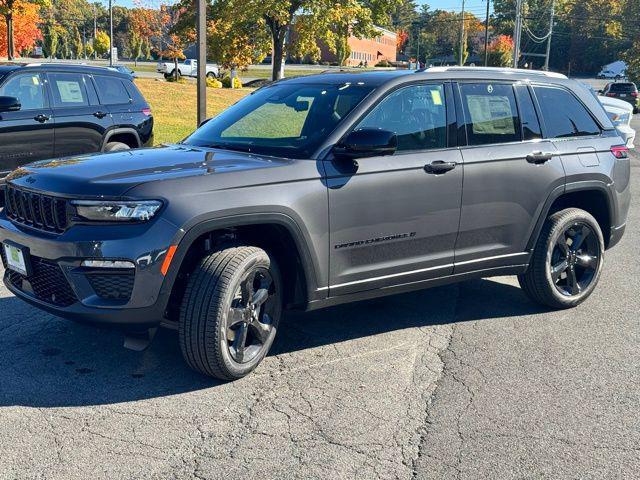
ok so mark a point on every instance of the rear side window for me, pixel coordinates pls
(417, 114)
(529, 118)
(491, 113)
(111, 90)
(68, 90)
(564, 116)
(134, 93)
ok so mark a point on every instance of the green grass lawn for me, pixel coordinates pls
(174, 106)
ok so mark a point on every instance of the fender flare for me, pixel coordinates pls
(117, 131)
(572, 187)
(185, 239)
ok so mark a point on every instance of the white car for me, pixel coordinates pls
(614, 75)
(189, 68)
(620, 113)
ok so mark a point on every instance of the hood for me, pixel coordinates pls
(112, 174)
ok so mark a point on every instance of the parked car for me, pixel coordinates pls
(126, 70)
(621, 114)
(313, 192)
(56, 110)
(611, 74)
(187, 69)
(625, 91)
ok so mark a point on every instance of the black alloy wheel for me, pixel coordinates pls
(575, 259)
(250, 318)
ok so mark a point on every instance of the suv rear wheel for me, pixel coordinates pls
(230, 312)
(116, 147)
(567, 260)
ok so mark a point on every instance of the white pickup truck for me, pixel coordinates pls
(189, 68)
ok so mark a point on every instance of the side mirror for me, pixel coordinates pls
(600, 91)
(9, 104)
(367, 142)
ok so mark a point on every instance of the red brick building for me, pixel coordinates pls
(369, 50)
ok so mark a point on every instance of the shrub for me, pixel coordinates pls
(214, 83)
(226, 82)
(172, 78)
(383, 63)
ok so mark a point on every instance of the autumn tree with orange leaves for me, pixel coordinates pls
(21, 20)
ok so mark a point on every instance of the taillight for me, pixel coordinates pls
(620, 151)
(611, 94)
(146, 112)
(634, 94)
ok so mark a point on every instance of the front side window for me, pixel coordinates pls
(416, 114)
(28, 88)
(564, 116)
(68, 90)
(286, 120)
(491, 113)
(111, 90)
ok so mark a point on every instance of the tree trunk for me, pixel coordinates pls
(176, 72)
(9, 18)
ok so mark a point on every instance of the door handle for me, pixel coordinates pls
(41, 118)
(100, 114)
(538, 158)
(439, 167)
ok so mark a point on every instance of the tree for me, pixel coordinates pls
(51, 39)
(25, 28)
(9, 9)
(78, 46)
(500, 51)
(88, 50)
(101, 43)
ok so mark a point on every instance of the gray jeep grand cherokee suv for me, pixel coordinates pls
(321, 190)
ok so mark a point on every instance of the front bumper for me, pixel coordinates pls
(59, 284)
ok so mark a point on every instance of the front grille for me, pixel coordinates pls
(36, 210)
(46, 282)
(116, 285)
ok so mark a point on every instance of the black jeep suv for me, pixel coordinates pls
(56, 110)
(321, 190)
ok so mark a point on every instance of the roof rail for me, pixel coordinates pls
(494, 69)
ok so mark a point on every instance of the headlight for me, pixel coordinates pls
(620, 119)
(107, 211)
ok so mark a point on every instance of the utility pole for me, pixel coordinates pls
(418, 50)
(95, 32)
(201, 41)
(546, 58)
(486, 36)
(111, 33)
(517, 32)
(461, 61)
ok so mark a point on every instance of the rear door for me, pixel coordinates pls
(80, 122)
(115, 97)
(28, 134)
(509, 172)
(394, 219)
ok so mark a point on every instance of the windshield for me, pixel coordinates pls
(284, 120)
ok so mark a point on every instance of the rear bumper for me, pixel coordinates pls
(97, 295)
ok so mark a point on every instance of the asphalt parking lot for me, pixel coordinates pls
(464, 381)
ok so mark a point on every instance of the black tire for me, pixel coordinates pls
(217, 294)
(553, 257)
(211, 75)
(116, 147)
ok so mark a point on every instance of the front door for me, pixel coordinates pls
(80, 122)
(27, 134)
(394, 219)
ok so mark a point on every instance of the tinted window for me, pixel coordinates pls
(134, 93)
(68, 90)
(28, 88)
(623, 87)
(528, 116)
(564, 115)
(91, 90)
(491, 113)
(287, 120)
(416, 114)
(111, 90)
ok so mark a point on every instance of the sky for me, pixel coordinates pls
(477, 7)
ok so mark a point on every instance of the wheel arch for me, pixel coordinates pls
(128, 136)
(277, 233)
(593, 196)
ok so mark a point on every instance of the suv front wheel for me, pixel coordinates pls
(230, 312)
(567, 260)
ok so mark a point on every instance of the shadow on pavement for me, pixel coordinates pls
(48, 362)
